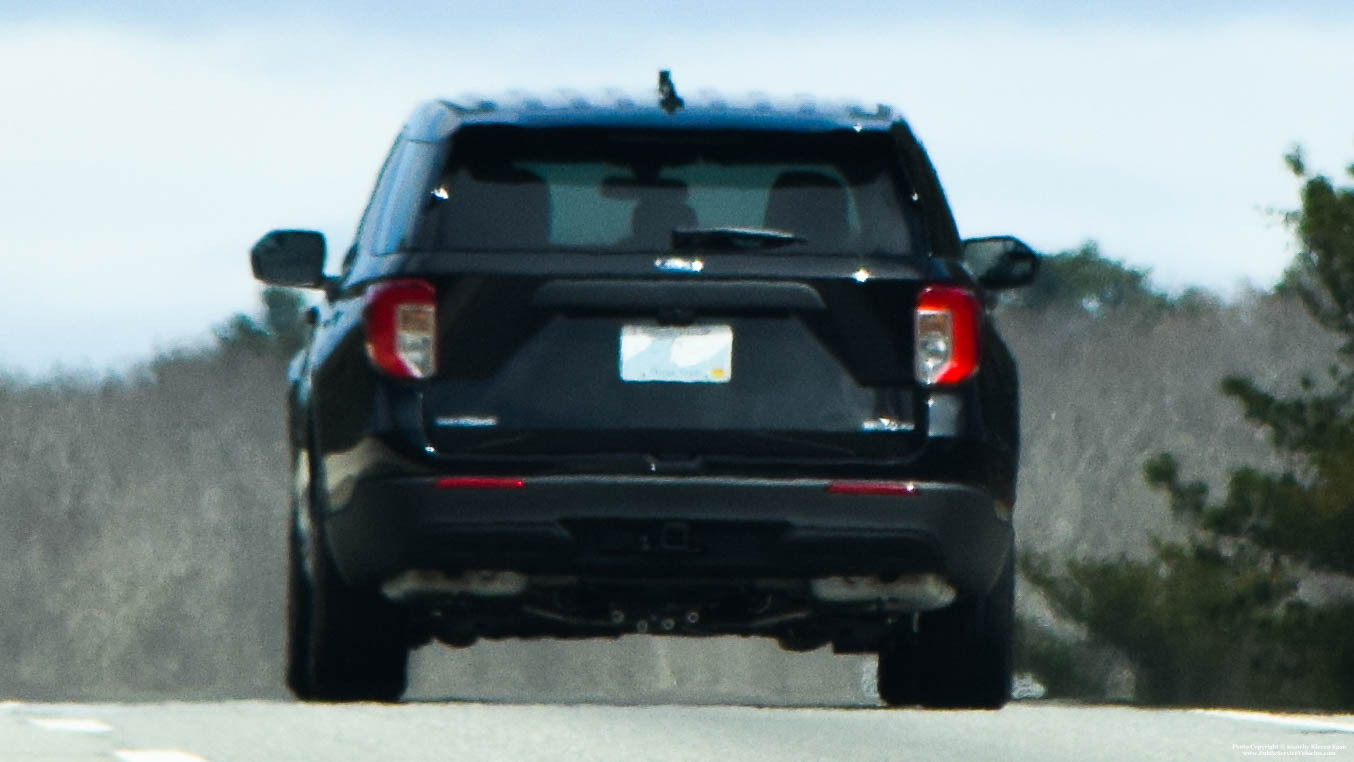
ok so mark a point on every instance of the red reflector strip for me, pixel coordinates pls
(896, 489)
(479, 482)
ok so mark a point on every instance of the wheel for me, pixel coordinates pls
(342, 644)
(960, 658)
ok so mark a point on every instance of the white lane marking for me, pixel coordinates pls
(156, 755)
(72, 724)
(1295, 721)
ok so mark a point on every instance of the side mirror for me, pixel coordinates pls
(290, 258)
(1000, 262)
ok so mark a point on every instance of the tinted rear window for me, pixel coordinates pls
(516, 189)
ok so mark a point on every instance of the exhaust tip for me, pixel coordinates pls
(909, 592)
(483, 583)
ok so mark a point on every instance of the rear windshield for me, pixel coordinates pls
(518, 189)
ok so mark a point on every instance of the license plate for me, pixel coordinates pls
(697, 354)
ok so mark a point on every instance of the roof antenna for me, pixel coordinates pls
(671, 100)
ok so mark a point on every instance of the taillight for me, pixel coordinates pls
(947, 335)
(401, 319)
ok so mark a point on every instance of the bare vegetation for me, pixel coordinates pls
(142, 549)
(1102, 391)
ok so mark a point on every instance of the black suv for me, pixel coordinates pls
(653, 365)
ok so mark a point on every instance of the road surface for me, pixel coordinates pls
(251, 731)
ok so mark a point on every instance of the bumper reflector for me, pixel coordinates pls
(479, 482)
(895, 489)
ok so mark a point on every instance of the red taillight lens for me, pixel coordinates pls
(895, 489)
(946, 335)
(479, 482)
(401, 318)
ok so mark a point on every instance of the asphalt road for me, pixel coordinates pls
(251, 731)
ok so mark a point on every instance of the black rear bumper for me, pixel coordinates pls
(679, 527)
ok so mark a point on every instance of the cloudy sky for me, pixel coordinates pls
(145, 146)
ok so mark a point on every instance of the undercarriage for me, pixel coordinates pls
(853, 614)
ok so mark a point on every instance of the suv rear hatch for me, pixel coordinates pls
(678, 295)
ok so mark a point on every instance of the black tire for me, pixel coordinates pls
(342, 644)
(960, 658)
(298, 620)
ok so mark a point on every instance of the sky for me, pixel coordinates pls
(144, 147)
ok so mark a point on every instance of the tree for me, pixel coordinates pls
(1087, 279)
(282, 331)
(1305, 513)
(1216, 618)
(284, 318)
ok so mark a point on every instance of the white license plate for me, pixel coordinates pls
(697, 354)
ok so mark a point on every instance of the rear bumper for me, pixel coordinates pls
(679, 527)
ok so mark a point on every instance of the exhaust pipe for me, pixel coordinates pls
(909, 592)
(483, 583)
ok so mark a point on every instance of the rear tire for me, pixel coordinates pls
(342, 644)
(961, 656)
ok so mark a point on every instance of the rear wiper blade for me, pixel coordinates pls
(733, 238)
